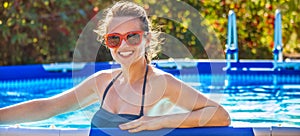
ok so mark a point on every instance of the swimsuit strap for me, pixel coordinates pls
(108, 87)
(144, 89)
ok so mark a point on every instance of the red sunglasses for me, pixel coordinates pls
(114, 40)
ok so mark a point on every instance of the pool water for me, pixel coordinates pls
(256, 105)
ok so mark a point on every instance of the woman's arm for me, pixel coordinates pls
(34, 110)
(203, 111)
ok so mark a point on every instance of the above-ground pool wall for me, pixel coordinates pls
(56, 70)
(246, 72)
(206, 131)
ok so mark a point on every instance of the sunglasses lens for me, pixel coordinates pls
(113, 40)
(133, 39)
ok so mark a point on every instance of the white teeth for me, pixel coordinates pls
(126, 53)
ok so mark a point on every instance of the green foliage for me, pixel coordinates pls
(46, 31)
(255, 24)
(41, 31)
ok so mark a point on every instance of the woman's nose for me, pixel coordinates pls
(123, 43)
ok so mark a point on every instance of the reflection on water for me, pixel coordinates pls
(251, 101)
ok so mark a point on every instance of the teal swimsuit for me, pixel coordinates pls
(106, 119)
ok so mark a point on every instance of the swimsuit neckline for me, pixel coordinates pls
(143, 94)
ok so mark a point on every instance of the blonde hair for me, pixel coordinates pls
(123, 9)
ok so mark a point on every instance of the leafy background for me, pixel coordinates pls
(46, 31)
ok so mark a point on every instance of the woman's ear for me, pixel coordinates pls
(148, 37)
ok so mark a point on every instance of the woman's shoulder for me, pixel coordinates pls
(166, 81)
(158, 73)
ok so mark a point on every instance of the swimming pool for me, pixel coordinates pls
(256, 105)
(254, 98)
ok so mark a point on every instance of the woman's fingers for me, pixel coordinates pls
(130, 125)
(143, 123)
(137, 129)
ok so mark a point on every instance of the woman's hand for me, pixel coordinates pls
(143, 123)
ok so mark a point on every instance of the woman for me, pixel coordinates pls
(129, 94)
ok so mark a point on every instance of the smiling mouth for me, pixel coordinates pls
(125, 53)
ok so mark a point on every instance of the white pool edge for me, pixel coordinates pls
(43, 132)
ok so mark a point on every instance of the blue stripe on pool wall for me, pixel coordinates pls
(214, 67)
(205, 131)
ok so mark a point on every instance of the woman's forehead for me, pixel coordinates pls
(120, 24)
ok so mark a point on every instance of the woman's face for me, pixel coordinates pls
(126, 54)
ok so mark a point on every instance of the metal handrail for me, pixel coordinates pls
(232, 44)
(277, 49)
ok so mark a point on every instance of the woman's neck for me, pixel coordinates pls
(135, 71)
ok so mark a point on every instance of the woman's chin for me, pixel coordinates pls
(125, 62)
